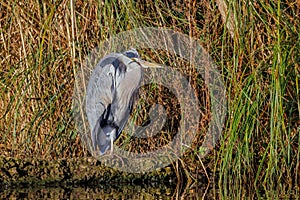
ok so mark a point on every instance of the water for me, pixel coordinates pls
(150, 191)
(112, 191)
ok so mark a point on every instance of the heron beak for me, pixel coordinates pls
(146, 64)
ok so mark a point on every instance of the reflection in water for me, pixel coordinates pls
(125, 191)
(113, 191)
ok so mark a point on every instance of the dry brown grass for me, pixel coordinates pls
(43, 44)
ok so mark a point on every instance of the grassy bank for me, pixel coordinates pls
(256, 47)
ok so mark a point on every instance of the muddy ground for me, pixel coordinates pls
(74, 171)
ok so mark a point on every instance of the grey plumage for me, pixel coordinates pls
(111, 93)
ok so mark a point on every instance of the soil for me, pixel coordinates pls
(74, 171)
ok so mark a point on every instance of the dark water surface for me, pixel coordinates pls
(112, 191)
(127, 191)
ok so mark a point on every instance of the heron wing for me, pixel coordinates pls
(111, 92)
(100, 92)
(127, 84)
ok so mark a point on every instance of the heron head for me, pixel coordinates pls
(134, 55)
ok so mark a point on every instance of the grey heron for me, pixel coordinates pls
(112, 91)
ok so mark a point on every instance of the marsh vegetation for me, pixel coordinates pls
(254, 44)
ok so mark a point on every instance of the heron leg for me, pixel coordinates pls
(111, 145)
(112, 138)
